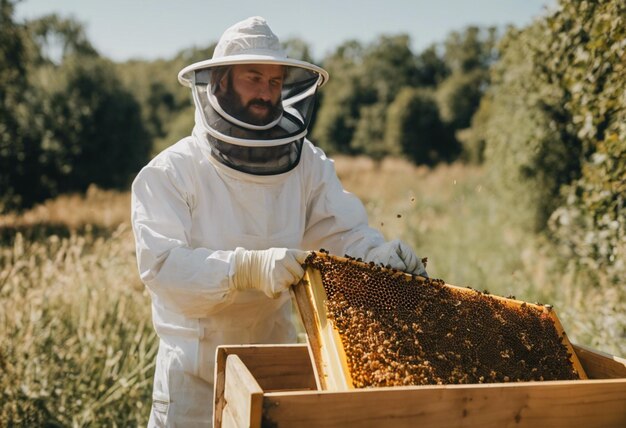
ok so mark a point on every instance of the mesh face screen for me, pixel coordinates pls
(402, 330)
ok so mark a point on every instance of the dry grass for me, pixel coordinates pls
(78, 345)
(106, 209)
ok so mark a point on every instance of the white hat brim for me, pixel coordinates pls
(184, 76)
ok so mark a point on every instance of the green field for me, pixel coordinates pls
(78, 345)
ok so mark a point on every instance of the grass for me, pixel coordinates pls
(78, 344)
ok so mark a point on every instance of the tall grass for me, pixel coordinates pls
(78, 347)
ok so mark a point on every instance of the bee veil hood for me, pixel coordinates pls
(267, 148)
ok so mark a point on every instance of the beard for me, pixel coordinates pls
(232, 104)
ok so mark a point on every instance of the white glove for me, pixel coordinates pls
(271, 271)
(399, 256)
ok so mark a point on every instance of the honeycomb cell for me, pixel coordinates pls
(398, 330)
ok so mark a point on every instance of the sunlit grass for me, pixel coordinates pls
(78, 344)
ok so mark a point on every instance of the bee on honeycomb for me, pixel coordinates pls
(398, 329)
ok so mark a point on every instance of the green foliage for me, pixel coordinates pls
(388, 66)
(93, 129)
(13, 87)
(431, 67)
(471, 49)
(342, 98)
(366, 81)
(459, 95)
(56, 38)
(529, 148)
(468, 55)
(555, 134)
(369, 136)
(472, 139)
(591, 225)
(66, 119)
(415, 129)
(162, 99)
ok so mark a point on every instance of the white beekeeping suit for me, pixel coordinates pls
(221, 218)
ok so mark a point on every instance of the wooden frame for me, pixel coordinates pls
(275, 386)
(327, 351)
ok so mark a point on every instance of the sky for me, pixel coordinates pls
(150, 29)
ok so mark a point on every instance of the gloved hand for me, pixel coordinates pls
(398, 255)
(270, 271)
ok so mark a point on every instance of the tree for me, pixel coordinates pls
(473, 48)
(16, 141)
(414, 128)
(468, 56)
(56, 38)
(94, 132)
(362, 77)
(389, 65)
(590, 225)
(66, 121)
(342, 97)
(369, 136)
(459, 95)
(297, 48)
(431, 67)
(529, 150)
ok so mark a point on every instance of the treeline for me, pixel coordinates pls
(542, 107)
(66, 118)
(71, 117)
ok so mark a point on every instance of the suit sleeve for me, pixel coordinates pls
(192, 281)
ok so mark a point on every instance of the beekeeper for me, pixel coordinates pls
(222, 217)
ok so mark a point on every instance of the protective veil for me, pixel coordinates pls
(265, 145)
(192, 210)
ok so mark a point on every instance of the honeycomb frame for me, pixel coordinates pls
(331, 362)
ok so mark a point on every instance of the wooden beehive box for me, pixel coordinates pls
(275, 386)
(310, 386)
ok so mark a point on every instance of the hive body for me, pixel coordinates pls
(397, 329)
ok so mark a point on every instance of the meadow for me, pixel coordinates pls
(78, 346)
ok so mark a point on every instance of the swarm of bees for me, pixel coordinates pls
(398, 329)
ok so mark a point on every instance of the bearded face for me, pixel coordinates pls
(252, 93)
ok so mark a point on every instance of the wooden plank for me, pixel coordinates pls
(242, 393)
(274, 367)
(600, 365)
(582, 373)
(218, 386)
(588, 403)
(227, 418)
(301, 293)
(327, 350)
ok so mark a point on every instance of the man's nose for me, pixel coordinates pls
(264, 92)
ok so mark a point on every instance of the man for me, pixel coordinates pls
(222, 217)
